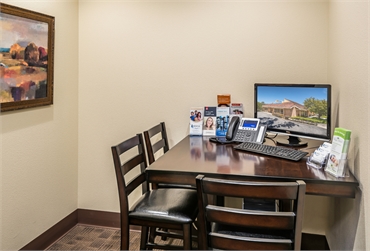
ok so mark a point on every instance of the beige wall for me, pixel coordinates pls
(147, 62)
(349, 73)
(143, 62)
(152, 61)
(39, 146)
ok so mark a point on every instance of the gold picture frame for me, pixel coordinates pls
(26, 58)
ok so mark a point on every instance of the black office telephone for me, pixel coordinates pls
(243, 130)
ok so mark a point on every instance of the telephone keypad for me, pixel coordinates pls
(243, 135)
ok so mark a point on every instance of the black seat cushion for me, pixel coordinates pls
(171, 205)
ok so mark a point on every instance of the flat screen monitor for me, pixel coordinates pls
(296, 110)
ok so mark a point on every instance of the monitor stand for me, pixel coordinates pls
(292, 141)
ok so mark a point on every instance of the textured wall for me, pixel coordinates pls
(349, 73)
(146, 62)
(39, 146)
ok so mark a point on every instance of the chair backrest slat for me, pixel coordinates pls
(224, 242)
(158, 145)
(127, 145)
(132, 163)
(135, 182)
(262, 190)
(250, 218)
(155, 130)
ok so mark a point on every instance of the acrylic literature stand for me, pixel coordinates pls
(337, 161)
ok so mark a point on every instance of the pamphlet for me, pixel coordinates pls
(236, 109)
(339, 150)
(222, 121)
(196, 121)
(209, 125)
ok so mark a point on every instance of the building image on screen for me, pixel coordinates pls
(298, 110)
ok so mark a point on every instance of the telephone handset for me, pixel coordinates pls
(245, 130)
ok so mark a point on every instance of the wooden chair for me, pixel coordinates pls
(161, 208)
(154, 144)
(223, 228)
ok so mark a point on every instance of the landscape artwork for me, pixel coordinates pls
(26, 58)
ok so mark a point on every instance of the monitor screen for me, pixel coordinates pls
(298, 110)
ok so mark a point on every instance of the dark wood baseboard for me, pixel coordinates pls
(54, 233)
(112, 219)
(98, 218)
(101, 218)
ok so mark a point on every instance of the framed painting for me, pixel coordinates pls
(26, 58)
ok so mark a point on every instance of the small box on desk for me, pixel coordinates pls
(223, 99)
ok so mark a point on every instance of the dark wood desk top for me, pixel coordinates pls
(196, 155)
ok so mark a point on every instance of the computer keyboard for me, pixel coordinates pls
(275, 151)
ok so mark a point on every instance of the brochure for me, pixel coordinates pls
(209, 125)
(222, 121)
(196, 121)
(236, 109)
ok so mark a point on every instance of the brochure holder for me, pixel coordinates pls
(323, 157)
(317, 164)
(319, 158)
(341, 170)
(337, 161)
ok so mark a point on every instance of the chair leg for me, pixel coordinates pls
(152, 234)
(144, 238)
(187, 236)
(125, 238)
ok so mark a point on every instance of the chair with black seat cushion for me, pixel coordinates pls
(222, 227)
(156, 140)
(174, 209)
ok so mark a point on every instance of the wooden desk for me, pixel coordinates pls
(196, 155)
